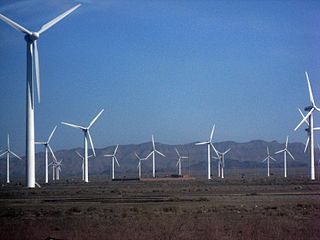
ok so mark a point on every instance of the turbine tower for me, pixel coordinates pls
(139, 164)
(309, 116)
(285, 151)
(268, 160)
(153, 153)
(33, 60)
(58, 169)
(82, 164)
(114, 158)
(179, 161)
(222, 154)
(87, 137)
(209, 143)
(8, 152)
(47, 148)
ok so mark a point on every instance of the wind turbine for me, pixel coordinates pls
(285, 151)
(47, 148)
(87, 136)
(179, 160)
(307, 130)
(33, 66)
(153, 153)
(82, 165)
(58, 169)
(139, 164)
(114, 158)
(309, 116)
(222, 154)
(8, 152)
(53, 164)
(268, 160)
(209, 143)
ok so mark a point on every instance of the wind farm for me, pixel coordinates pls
(122, 71)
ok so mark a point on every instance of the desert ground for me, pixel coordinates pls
(230, 208)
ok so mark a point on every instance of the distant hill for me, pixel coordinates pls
(242, 155)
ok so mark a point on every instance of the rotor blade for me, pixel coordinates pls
(272, 158)
(202, 143)
(39, 143)
(280, 151)
(72, 125)
(79, 154)
(177, 151)
(160, 153)
(153, 145)
(137, 156)
(178, 162)
(268, 150)
(14, 25)
(115, 150)
(149, 155)
(90, 156)
(2, 154)
(290, 155)
(91, 143)
(212, 131)
(108, 155)
(227, 151)
(214, 149)
(310, 90)
(57, 19)
(287, 141)
(54, 156)
(115, 158)
(265, 159)
(52, 134)
(37, 69)
(8, 142)
(307, 144)
(95, 119)
(15, 155)
(316, 128)
(184, 157)
(304, 119)
(303, 116)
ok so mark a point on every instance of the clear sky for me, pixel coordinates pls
(168, 68)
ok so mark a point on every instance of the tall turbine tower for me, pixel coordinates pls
(309, 116)
(209, 144)
(179, 161)
(285, 151)
(114, 158)
(47, 148)
(87, 137)
(8, 152)
(33, 60)
(139, 164)
(82, 164)
(268, 160)
(153, 153)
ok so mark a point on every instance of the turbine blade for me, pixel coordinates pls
(307, 144)
(115, 158)
(57, 19)
(287, 141)
(268, 151)
(4, 153)
(310, 90)
(177, 151)
(214, 149)
(72, 125)
(91, 143)
(202, 143)
(8, 141)
(39, 143)
(54, 156)
(79, 154)
(272, 158)
(290, 155)
(304, 119)
(316, 128)
(15, 25)
(303, 116)
(137, 156)
(212, 131)
(279, 151)
(95, 119)
(108, 155)
(52, 134)
(227, 151)
(149, 155)
(115, 150)
(15, 155)
(153, 145)
(184, 157)
(160, 153)
(265, 159)
(37, 68)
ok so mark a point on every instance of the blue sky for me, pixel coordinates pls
(168, 68)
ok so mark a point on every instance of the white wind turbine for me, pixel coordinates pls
(8, 152)
(87, 136)
(153, 153)
(139, 164)
(47, 148)
(285, 151)
(33, 67)
(53, 164)
(58, 169)
(268, 160)
(222, 154)
(114, 158)
(307, 130)
(209, 143)
(179, 161)
(309, 116)
(82, 164)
